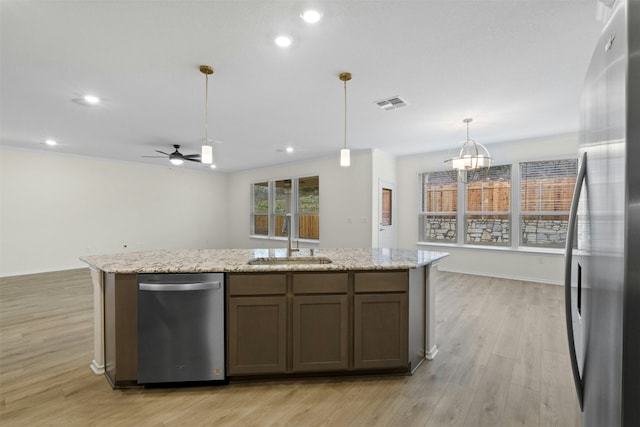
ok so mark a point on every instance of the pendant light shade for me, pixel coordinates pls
(345, 153)
(345, 157)
(206, 156)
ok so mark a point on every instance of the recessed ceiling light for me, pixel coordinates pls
(289, 149)
(283, 41)
(212, 166)
(87, 100)
(311, 16)
(90, 99)
(51, 142)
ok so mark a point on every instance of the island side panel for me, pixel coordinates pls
(121, 329)
(97, 279)
(431, 347)
(417, 315)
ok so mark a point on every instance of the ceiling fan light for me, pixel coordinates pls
(345, 157)
(207, 154)
(177, 161)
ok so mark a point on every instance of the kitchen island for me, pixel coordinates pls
(322, 312)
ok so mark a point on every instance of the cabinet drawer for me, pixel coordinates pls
(257, 284)
(320, 283)
(382, 281)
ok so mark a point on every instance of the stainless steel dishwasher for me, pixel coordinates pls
(181, 328)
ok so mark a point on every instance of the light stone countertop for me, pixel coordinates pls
(235, 260)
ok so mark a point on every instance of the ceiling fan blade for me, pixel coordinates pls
(161, 152)
(191, 160)
(155, 157)
(191, 156)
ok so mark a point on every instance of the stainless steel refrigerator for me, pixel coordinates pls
(602, 276)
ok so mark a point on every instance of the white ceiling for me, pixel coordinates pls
(515, 66)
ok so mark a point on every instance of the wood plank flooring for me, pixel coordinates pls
(503, 361)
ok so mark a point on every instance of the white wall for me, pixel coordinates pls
(345, 201)
(57, 207)
(522, 265)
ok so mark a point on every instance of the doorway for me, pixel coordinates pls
(386, 215)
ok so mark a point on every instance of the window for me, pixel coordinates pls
(282, 206)
(540, 198)
(387, 206)
(273, 200)
(438, 210)
(309, 208)
(488, 208)
(260, 209)
(546, 189)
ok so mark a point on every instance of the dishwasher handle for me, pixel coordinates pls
(202, 286)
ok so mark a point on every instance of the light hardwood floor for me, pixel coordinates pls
(503, 361)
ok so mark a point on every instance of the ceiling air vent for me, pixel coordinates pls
(391, 103)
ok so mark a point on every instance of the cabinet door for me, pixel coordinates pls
(320, 333)
(380, 331)
(257, 335)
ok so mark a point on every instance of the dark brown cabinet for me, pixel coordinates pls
(257, 328)
(380, 323)
(380, 331)
(320, 322)
(303, 322)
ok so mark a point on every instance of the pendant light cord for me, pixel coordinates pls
(345, 114)
(206, 109)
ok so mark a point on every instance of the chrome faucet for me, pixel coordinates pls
(287, 225)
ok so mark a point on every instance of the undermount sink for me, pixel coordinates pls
(290, 260)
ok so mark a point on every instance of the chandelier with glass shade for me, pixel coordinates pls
(472, 158)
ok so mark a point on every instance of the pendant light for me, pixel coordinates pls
(345, 154)
(207, 149)
(472, 157)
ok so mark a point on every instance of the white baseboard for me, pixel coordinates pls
(96, 368)
(501, 276)
(25, 273)
(431, 354)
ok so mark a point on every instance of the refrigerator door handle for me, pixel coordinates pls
(573, 215)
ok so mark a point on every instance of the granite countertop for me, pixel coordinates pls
(236, 260)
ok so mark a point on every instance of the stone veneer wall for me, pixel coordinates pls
(492, 231)
(441, 230)
(550, 233)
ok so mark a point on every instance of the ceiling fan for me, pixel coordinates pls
(177, 158)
